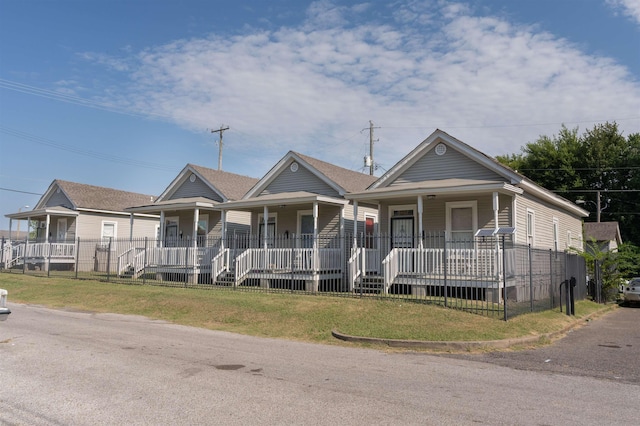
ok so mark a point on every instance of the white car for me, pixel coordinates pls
(631, 291)
(4, 311)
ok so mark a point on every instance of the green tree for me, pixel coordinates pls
(577, 166)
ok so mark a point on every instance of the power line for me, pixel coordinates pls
(50, 143)
(17, 190)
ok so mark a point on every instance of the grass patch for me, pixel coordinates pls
(283, 315)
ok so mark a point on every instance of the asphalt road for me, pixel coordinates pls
(606, 348)
(74, 368)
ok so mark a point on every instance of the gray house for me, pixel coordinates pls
(70, 212)
(299, 221)
(192, 224)
(446, 192)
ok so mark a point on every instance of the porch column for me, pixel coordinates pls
(130, 227)
(161, 242)
(10, 229)
(265, 231)
(194, 234)
(315, 236)
(342, 254)
(223, 219)
(46, 231)
(355, 223)
(420, 210)
(194, 237)
(496, 209)
(265, 221)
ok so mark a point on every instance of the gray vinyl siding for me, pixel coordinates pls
(434, 212)
(198, 188)
(301, 180)
(544, 214)
(451, 165)
(88, 226)
(363, 210)
(238, 223)
(58, 199)
(287, 219)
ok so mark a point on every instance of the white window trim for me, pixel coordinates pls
(271, 215)
(412, 207)
(115, 231)
(462, 204)
(556, 233)
(299, 220)
(205, 218)
(568, 239)
(375, 221)
(531, 232)
(66, 228)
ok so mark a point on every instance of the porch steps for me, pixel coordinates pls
(371, 284)
(227, 279)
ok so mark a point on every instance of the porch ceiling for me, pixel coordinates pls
(435, 187)
(176, 205)
(52, 211)
(283, 199)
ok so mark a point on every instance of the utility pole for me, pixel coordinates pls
(369, 159)
(220, 130)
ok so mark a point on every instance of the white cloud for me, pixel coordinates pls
(312, 87)
(630, 8)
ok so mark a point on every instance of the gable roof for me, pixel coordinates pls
(229, 186)
(511, 176)
(602, 231)
(340, 179)
(91, 197)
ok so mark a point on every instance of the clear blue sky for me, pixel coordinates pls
(123, 94)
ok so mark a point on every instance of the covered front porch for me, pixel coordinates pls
(294, 237)
(429, 238)
(51, 233)
(188, 237)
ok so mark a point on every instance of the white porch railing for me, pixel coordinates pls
(287, 259)
(455, 262)
(219, 264)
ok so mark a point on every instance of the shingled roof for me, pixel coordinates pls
(92, 197)
(348, 179)
(602, 231)
(231, 185)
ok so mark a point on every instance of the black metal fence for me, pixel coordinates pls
(482, 275)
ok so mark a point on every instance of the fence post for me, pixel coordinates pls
(24, 255)
(504, 278)
(186, 264)
(551, 293)
(144, 264)
(292, 243)
(77, 256)
(49, 261)
(530, 277)
(444, 261)
(109, 259)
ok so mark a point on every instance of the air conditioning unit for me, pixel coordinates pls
(43, 224)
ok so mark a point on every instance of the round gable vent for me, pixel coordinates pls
(294, 167)
(192, 178)
(441, 149)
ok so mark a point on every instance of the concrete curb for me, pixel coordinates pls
(464, 346)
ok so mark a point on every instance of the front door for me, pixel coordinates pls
(306, 231)
(171, 234)
(402, 232)
(61, 235)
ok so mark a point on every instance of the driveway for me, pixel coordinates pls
(605, 348)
